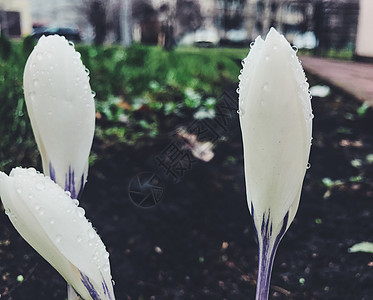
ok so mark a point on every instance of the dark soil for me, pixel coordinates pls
(198, 242)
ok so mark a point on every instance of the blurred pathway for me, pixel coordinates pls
(353, 78)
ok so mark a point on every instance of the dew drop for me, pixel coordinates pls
(71, 43)
(113, 282)
(76, 202)
(238, 111)
(252, 44)
(308, 166)
(58, 238)
(238, 90)
(32, 96)
(68, 193)
(37, 207)
(41, 212)
(93, 94)
(79, 239)
(19, 191)
(265, 87)
(80, 212)
(40, 186)
(311, 116)
(243, 62)
(87, 71)
(31, 171)
(267, 57)
(275, 47)
(51, 221)
(35, 82)
(295, 48)
(39, 56)
(91, 233)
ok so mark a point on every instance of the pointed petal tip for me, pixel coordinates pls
(273, 34)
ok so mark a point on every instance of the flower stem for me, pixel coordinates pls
(267, 251)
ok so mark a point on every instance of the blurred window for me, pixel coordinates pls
(10, 23)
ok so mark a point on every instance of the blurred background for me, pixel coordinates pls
(323, 23)
(164, 75)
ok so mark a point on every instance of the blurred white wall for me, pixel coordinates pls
(23, 7)
(364, 39)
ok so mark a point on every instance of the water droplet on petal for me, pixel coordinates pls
(113, 282)
(308, 166)
(40, 186)
(31, 171)
(80, 212)
(267, 57)
(19, 191)
(252, 44)
(275, 47)
(265, 87)
(238, 90)
(91, 233)
(79, 239)
(35, 82)
(238, 111)
(39, 56)
(68, 193)
(32, 96)
(41, 212)
(93, 94)
(87, 71)
(51, 221)
(243, 62)
(37, 207)
(58, 238)
(295, 48)
(71, 43)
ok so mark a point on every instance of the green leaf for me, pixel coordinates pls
(366, 247)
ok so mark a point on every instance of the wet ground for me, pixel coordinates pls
(198, 241)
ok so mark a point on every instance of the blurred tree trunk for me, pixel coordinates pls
(102, 15)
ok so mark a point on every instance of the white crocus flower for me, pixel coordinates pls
(52, 223)
(61, 109)
(276, 123)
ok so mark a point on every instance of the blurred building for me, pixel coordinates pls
(364, 40)
(334, 23)
(15, 18)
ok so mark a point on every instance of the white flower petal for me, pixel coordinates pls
(61, 109)
(276, 124)
(49, 220)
